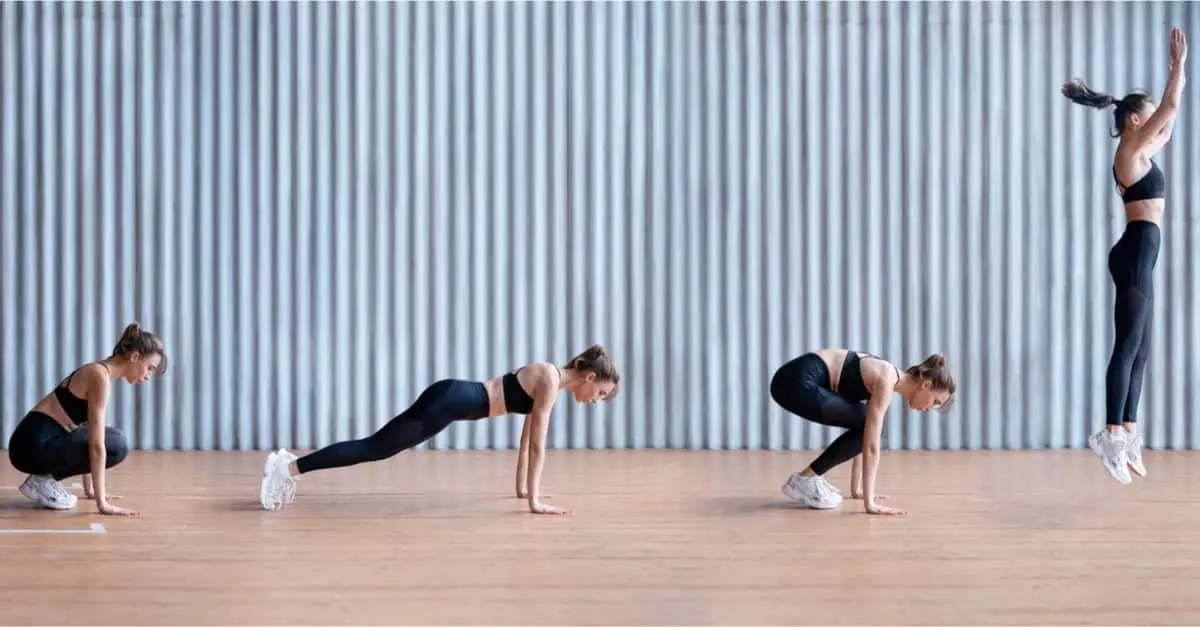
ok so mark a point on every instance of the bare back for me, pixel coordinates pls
(78, 384)
(532, 378)
(1131, 166)
(872, 368)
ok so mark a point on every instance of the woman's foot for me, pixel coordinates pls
(1112, 449)
(814, 492)
(1133, 452)
(48, 493)
(278, 485)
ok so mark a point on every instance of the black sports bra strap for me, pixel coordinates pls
(899, 374)
(67, 380)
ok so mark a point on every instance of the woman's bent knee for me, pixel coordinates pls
(116, 446)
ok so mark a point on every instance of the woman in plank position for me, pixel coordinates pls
(591, 376)
(852, 390)
(64, 435)
(1143, 130)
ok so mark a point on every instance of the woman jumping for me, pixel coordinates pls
(1143, 130)
(842, 388)
(64, 434)
(532, 390)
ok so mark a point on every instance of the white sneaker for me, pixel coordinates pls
(1111, 449)
(814, 492)
(48, 493)
(1133, 451)
(57, 494)
(63, 493)
(278, 485)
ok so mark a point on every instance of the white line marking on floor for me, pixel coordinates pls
(74, 486)
(93, 528)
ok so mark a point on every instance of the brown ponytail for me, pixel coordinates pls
(934, 370)
(136, 340)
(595, 359)
(1078, 92)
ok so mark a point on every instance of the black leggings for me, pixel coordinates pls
(439, 405)
(40, 446)
(1131, 263)
(802, 386)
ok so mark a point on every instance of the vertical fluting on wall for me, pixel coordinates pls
(324, 207)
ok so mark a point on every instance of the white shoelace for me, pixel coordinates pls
(1133, 446)
(52, 491)
(823, 489)
(1118, 449)
(287, 486)
(60, 493)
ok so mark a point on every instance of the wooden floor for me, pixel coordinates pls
(658, 537)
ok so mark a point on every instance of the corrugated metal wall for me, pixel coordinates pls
(325, 207)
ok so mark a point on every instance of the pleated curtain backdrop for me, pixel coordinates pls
(323, 207)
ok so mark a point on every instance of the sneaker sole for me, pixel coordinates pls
(262, 489)
(1116, 474)
(1137, 469)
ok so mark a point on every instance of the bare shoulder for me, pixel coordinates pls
(541, 380)
(879, 371)
(90, 381)
(538, 374)
(1127, 156)
(1133, 154)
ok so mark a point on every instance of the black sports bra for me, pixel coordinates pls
(851, 385)
(516, 399)
(76, 408)
(1151, 186)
